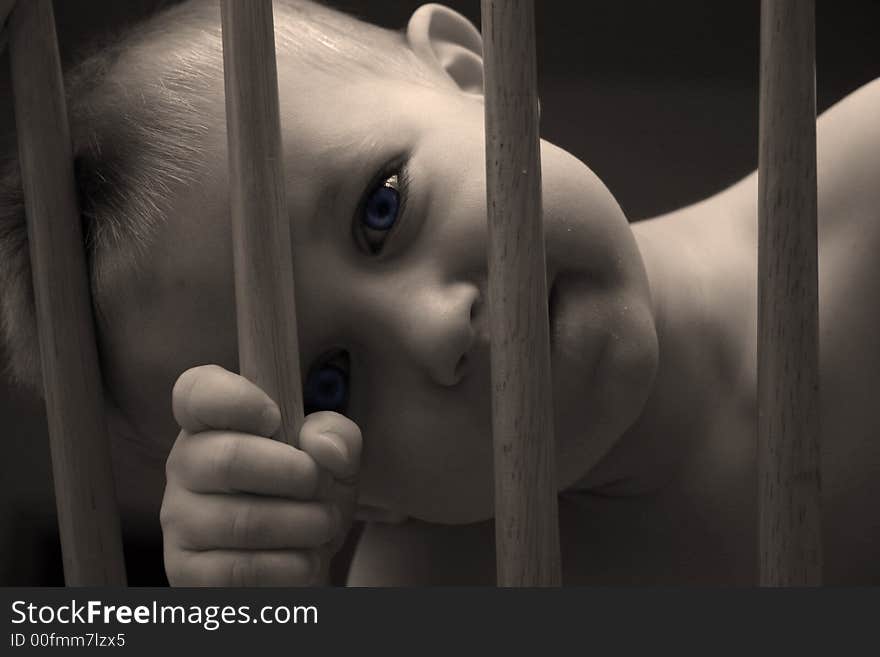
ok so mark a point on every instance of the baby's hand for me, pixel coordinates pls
(243, 509)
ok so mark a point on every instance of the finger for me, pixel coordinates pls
(210, 397)
(334, 441)
(244, 568)
(249, 522)
(231, 462)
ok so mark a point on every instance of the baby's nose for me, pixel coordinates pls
(443, 332)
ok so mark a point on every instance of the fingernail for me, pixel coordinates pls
(270, 420)
(340, 448)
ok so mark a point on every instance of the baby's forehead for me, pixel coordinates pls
(331, 117)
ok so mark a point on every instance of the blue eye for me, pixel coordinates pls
(382, 206)
(326, 387)
(379, 213)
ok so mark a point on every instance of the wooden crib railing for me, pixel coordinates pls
(789, 488)
(88, 522)
(525, 493)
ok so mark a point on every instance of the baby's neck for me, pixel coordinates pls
(701, 264)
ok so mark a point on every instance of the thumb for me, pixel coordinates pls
(334, 442)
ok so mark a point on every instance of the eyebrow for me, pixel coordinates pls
(364, 156)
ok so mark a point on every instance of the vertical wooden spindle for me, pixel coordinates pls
(526, 518)
(264, 290)
(790, 540)
(88, 520)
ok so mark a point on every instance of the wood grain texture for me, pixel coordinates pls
(526, 517)
(790, 540)
(88, 520)
(264, 287)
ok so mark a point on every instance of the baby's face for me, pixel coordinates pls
(387, 208)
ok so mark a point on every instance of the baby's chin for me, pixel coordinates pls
(367, 513)
(600, 391)
(461, 505)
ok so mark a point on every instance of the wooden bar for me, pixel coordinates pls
(526, 517)
(790, 528)
(264, 290)
(88, 520)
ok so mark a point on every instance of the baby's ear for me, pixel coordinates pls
(448, 42)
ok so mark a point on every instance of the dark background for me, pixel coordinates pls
(658, 98)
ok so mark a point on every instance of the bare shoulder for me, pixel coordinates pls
(848, 169)
(848, 152)
(848, 159)
(848, 156)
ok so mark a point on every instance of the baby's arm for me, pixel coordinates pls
(241, 509)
